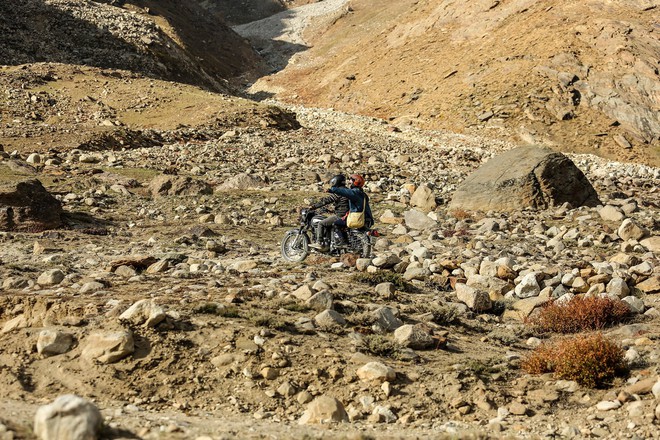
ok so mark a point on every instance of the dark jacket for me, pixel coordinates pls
(356, 197)
(341, 203)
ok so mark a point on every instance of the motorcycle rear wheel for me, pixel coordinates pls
(295, 246)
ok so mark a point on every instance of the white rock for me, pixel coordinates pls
(636, 304)
(475, 299)
(69, 417)
(656, 389)
(53, 342)
(383, 414)
(376, 371)
(608, 405)
(329, 318)
(618, 287)
(386, 320)
(630, 230)
(413, 336)
(611, 213)
(146, 312)
(528, 286)
(50, 277)
(108, 347)
(324, 409)
(418, 220)
(644, 268)
(91, 287)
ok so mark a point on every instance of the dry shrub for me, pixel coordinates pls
(590, 360)
(460, 214)
(580, 314)
(383, 276)
(379, 345)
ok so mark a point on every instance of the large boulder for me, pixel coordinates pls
(166, 185)
(241, 181)
(525, 177)
(28, 207)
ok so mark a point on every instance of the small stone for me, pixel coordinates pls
(270, 373)
(629, 230)
(304, 397)
(286, 389)
(320, 301)
(146, 312)
(329, 318)
(385, 290)
(414, 336)
(608, 405)
(53, 342)
(517, 408)
(50, 277)
(108, 347)
(324, 409)
(376, 371)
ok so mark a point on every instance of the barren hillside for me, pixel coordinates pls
(578, 76)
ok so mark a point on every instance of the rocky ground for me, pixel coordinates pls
(159, 294)
(225, 329)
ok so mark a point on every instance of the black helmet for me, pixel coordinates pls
(338, 180)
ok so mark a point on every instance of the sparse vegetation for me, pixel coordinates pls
(580, 314)
(591, 360)
(379, 345)
(460, 214)
(442, 313)
(364, 319)
(265, 319)
(483, 368)
(295, 307)
(212, 308)
(383, 277)
(503, 336)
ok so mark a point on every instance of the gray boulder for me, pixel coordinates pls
(418, 220)
(525, 177)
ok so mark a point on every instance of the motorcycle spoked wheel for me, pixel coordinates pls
(295, 246)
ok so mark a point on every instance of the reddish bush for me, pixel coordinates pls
(590, 360)
(580, 314)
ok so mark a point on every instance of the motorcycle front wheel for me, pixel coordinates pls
(295, 246)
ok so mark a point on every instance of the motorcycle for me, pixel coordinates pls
(296, 242)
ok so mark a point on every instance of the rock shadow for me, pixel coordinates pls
(85, 223)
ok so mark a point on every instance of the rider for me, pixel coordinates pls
(356, 199)
(340, 209)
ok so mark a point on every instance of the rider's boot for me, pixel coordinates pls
(320, 240)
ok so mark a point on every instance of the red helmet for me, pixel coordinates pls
(357, 181)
